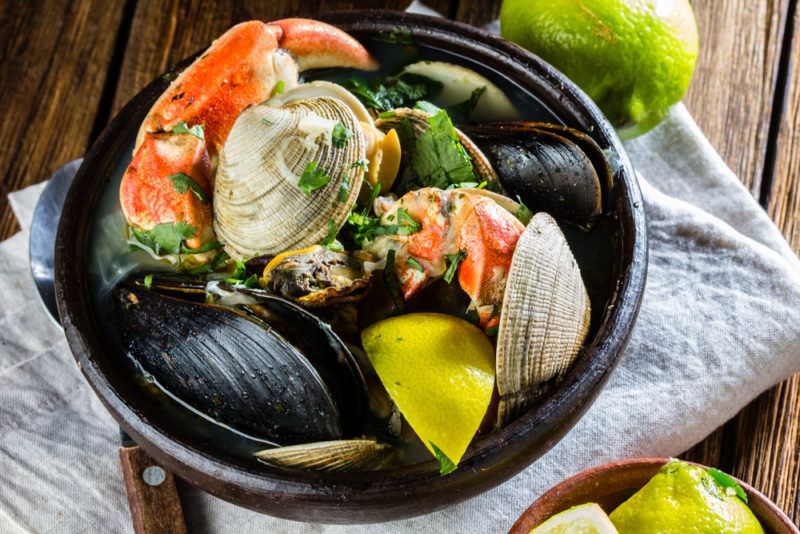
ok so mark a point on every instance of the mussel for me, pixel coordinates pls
(544, 319)
(549, 167)
(249, 360)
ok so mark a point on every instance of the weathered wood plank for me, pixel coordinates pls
(55, 58)
(734, 82)
(165, 32)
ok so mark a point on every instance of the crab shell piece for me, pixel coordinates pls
(544, 319)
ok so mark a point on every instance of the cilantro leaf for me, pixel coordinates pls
(344, 189)
(238, 274)
(728, 482)
(464, 109)
(454, 260)
(362, 164)
(446, 465)
(148, 281)
(279, 87)
(330, 239)
(183, 182)
(438, 158)
(491, 330)
(183, 128)
(340, 135)
(524, 213)
(427, 107)
(391, 92)
(414, 264)
(387, 114)
(252, 281)
(313, 178)
(266, 122)
(407, 220)
(162, 239)
(371, 199)
(216, 262)
(205, 248)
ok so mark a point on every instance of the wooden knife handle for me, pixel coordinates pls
(152, 494)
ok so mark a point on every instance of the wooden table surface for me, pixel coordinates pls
(68, 66)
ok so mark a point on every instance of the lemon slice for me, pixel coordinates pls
(587, 518)
(439, 371)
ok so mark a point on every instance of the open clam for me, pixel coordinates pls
(340, 455)
(544, 319)
(260, 206)
(248, 360)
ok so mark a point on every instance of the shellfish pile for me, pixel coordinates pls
(299, 214)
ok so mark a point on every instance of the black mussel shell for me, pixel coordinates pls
(262, 366)
(550, 167)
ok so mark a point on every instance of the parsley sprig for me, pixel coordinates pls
(183, 128)
(453, 260)
(340, 135)
(313, 178)
(392, 92)
(183, 183)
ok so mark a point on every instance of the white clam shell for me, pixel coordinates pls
(342, 455)
(544, 319)
(258, 206)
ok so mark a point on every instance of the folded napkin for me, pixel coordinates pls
(719, 324)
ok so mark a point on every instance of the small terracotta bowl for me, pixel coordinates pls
(611, 484)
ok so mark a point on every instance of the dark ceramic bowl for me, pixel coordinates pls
(396, 493)
(611, 484)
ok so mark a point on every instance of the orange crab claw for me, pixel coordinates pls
(316, 45)
(149, 197)
(242, 67)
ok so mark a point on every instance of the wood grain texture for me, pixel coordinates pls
(164, 32)
(155, 509)
(731, 93)
(55, 57)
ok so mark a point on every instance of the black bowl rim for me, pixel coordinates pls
(407, 491)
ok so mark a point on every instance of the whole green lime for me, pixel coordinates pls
(634, 58)
(685, 498)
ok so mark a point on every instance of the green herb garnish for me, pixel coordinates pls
(728, 483)
(491, 331)
(266, 122)
(464, 109)
(313, 178)
(148, 281)
(446, 465)
(393, 92)
(340, 135)
(427, 107)
(279, 87)
(162, 239)
(344, 189)
(238, 273)
(330, 239)
(524, 214)
(401, 35)
(183, 183)
(205, 248)
(252, 281)
(362, 164)
(216, 262)
(183, 128)
(414, 264)
(371, 199)
(438, 158)
(407, 220)
(387, 114)
(453, 261)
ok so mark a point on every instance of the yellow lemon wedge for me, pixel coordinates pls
(439, 371)
(587, 518)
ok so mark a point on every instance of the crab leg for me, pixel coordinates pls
(454, 222)
(244, 66)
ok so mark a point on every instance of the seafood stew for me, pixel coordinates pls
(261, 294)
(338, 200)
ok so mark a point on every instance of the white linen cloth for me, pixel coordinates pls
(719, 324)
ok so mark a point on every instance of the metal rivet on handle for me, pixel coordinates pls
(154, 475)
